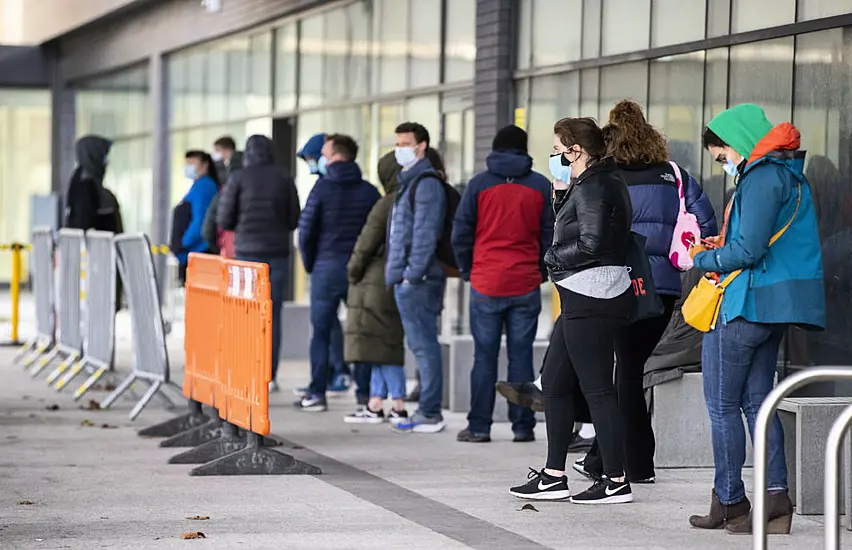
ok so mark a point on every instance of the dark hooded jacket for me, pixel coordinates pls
(373, 332)
(88, 205)
(260, 204)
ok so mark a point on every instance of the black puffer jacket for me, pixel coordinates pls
(260, 204)
(592, 222)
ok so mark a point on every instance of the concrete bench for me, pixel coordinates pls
(807, 421)
(461, 363)
(295, 331)
(682, 426)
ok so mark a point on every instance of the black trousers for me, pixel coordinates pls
(579, 359)
(634, 344)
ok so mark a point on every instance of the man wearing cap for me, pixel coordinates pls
(502, 229)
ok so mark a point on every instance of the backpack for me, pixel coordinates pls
(444, 250)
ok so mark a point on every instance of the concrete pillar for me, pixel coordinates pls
(158, 97)
(63, 132)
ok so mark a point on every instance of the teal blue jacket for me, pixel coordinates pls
(782, 283)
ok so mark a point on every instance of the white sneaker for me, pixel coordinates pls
(363, 415)
(273, 387)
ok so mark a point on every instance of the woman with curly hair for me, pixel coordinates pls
(652, 180)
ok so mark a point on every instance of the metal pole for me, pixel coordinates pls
(832, 478)
(16, 289)
(760, 513)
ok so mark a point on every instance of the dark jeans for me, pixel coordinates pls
(335, 350)
(363, 376)
(634, 344)
(420, 305)
(580, 357)
(488, 317)
(738, 363)
(328, 290)
(279, 274)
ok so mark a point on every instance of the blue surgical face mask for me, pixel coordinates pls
(312, 166)
(322, 166)
(190, 172)
(405, 156)
(730, 168)
(558, 170)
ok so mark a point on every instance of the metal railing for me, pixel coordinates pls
(760, 513)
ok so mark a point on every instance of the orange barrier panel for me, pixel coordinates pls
(204, 290)
(246, 345)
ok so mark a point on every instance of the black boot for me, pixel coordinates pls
(722, 514)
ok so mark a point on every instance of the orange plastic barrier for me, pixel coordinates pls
(204, 305)
(245, 345)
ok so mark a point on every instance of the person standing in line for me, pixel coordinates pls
(642, 155)
(502, 229)
(188, 216)
(335, 212)
(413, 269)
(227, 160)
(374, 338)
(341, 375)
(769, 259)
(587, 261)
(261, 206)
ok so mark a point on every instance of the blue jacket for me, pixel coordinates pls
(334, 214)
(413, 236)
(653, 194)
(199, 197)
(782, 283)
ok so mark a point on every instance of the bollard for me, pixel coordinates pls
(15, 291)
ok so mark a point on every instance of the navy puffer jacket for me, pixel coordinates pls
(653, 192)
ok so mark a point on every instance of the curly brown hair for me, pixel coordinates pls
(630, 139)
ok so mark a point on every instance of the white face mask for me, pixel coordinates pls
(730, 168)
(216, 156)
(405, 156)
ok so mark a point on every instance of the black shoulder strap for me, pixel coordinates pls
(418, 179)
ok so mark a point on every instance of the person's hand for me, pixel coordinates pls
(696, 249)
(716, 241)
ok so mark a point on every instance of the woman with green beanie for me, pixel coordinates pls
(769, 253)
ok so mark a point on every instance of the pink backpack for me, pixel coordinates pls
(686, 232)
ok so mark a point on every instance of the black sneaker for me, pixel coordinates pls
(467, 436)
(579, 466)
(605, 491)
(363, 415)
(524, 437)
(542, 487)
(397, 417)
(580, 444)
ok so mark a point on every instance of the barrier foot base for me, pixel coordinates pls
(11, 344)
(210, 451)
(193, 437)
(255, 459)
(176, 425)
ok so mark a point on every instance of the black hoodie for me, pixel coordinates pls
(88, 205)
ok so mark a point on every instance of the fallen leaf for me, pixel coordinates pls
(104, 517)
(92, 405)
(198, 518)
(193, 535)
(53, 407)
(529, 507)
(25, 503)
(108, 427)
(87, 423)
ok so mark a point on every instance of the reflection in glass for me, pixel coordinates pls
(628, 81)
(285, 69)
(814, 9)
(556, 35)
(312, 61)
(216, 88)
(625, 25)
(460, 45)
(392, 45)
(259, 100)
(749, 15)
(677, 21)
(762, 73)
(713, 178)
(425, 43)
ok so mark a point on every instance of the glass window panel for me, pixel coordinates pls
(628, 81)
(392, 45)
(557, 36)
(261, 126)
(713, 178)
(312, 61)
(524, 33)
(718, 18)
(239, 77)
(762, 73)
(285, 70)
(814, 9)
(425, 43)
(749, 15)
(676, 104)
(677, 21)
(591, 28)
(426, 111)
(308, 124)
(626, 25)
(461, 41)
(336, 64)
(178, 148)
(551, 98)
(259, 99)
(216, 88)
(391, 115)
(359, 17)
(196, 65)
(590, 93)
(177, 88)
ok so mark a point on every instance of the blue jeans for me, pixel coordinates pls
(328, 289)
(387, 381)
(488, 317)
(363, 382)
(419, 306)
(335, 350)
(279, 274)
(738, 362)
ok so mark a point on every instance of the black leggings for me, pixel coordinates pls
(634, 344)
(580, 357)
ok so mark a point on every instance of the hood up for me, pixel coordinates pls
(92, 154)
(741, 127)
(388, 171)
(509, 163)
(258, 152)
(313, 148)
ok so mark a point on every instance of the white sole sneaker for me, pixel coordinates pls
(357, 420)
(614, 499)
(547, 495)
(429, 428)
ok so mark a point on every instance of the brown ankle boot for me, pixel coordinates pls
(780, 517)
(721, 514)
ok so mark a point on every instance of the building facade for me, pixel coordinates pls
(162, 76)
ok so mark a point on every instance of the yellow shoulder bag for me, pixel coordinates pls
(701, 308)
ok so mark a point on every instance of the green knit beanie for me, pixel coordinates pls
(741, 127)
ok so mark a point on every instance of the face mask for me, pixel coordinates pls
(730, 168)
(216, 156)
(190, 172)
(405, 156)
(313, 166)
(558, 170)
(322, 166)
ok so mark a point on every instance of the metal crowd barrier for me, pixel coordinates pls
(760, 512)
(151, 365)
(43, 290)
